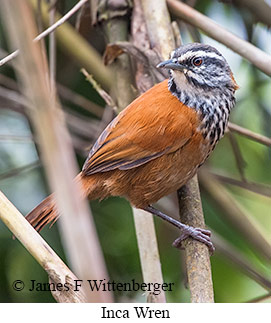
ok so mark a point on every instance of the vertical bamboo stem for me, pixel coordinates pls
(158, 26)
(148, 252)
(78, 231)
(197, 260)
(197, 254)
(117, 30)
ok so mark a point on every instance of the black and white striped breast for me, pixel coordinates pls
(213, 109)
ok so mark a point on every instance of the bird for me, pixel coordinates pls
(158, 142)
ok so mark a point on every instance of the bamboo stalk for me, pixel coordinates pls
(148, 252)
(58, 272)
(197, 256)
(117, 30)
(78, 230)
(144, 224)
(158, 26)
(253, 54)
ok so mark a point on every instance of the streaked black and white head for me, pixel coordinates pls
(200, 68)
(201, 78)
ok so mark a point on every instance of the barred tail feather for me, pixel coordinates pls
(46, 212)
(43, 214)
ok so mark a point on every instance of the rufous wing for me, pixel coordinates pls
(156, 123)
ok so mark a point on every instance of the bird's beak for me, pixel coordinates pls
(170, 64)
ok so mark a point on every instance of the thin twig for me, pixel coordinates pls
(40, 28)
(86, 127)
(64, 92)
(253, 54)
(39, 18)
(260, 298)
(233, 212)
(13, 96)
(8, 82)
(18, 170)
(79, 17)
(61, 20)
(239, 160)
(52, 48)
(16, 138)
(48, 30)
(107, 98)
(121, 65)
(93, 6)
(80, 100)
(74, 44)
(9, 57)
(176, 33)
(237, 258)
(260, 9)
(250, 134)
(250, 186)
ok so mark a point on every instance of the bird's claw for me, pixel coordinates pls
(198, 234)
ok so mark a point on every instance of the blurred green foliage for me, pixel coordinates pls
(113, 216)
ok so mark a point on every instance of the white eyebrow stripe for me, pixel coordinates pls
(200, 53)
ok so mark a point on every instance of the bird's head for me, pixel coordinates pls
(200, 68)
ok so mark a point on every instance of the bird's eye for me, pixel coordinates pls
(197, 61)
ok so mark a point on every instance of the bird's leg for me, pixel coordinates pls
(199, 234)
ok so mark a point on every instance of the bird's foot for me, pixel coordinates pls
(198, 234)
